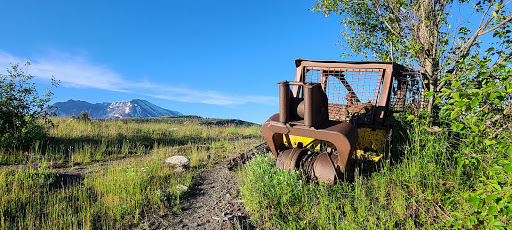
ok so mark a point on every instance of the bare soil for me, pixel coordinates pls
(214, 203)
(213, 200)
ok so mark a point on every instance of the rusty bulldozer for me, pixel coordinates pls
(333, 111)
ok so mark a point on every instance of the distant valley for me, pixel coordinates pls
(136, 108)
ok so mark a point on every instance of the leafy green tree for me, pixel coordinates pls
(467, 72)
(478, 103)
(21, 109)
(419, 32)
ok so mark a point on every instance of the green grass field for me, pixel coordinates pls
(417, 186)
(118, 195)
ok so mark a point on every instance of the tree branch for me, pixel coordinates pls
(505, 58)
(507, 3)
(483, 16)
(466, 47)
(381, 15)
(391, 29)
(496, 27)
(469, 43)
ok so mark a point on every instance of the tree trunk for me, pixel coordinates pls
(427, 37)
(432, 88)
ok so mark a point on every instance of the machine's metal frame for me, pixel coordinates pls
(305, 111)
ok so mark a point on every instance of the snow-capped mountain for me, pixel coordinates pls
(135, 108)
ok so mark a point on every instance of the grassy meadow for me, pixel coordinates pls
(131, 180)
(418, 185)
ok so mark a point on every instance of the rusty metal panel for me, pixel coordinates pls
(349, 91)
(407, 93)
(329, 102)
(347, 65)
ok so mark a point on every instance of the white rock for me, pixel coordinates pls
(181, 187)
(180, 163)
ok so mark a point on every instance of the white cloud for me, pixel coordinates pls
(79, 73)
(72, 72)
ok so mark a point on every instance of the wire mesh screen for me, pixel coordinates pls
(407, 94)
(349, 91)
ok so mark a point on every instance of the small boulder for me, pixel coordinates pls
(180, 163)
(181, 187)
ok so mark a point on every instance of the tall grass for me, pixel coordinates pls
(112, 198)
(73, 142)
(409, 191)
(114, 195)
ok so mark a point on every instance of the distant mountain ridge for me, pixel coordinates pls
(136, 108)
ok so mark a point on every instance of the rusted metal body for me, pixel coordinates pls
(327, 103)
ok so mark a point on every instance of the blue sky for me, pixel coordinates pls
(209, 58)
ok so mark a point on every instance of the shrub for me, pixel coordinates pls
(84, 116)
(21, 109)
(477, 102)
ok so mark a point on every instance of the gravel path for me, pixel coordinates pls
(214, 200)
(214, 203)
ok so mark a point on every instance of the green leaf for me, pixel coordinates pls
(490, 197)
(410, 117)
(496, 186)
(503, 162)
(501, 203)
(457, 127)
(491, 219)
(488, 142)
(456, 96)
(455, 114)
(450, 202)
(449, 221)
(471, 221)
(492, 209)
(446, 79)
(495, 169)
(460, 103)
(476, 92)
(457, 224)
(460, 162)
(508, 168)
(429, 94)
(475, 201)
(498, 224)
(474, 102)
